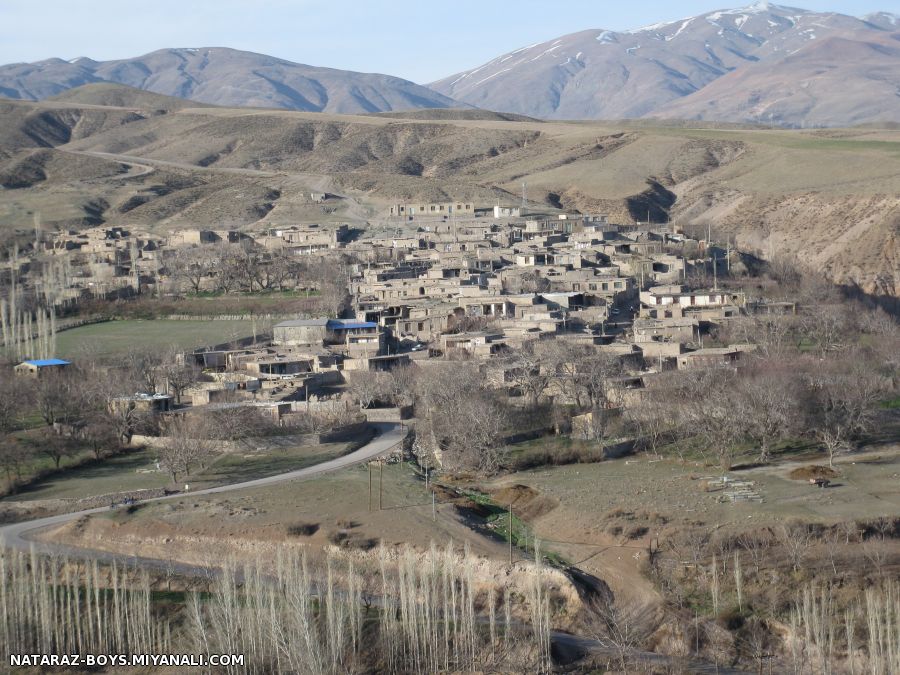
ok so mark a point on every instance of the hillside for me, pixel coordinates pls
(828, 196)
(229, 77)
(847, 80)
(667, 69)
(121, 96)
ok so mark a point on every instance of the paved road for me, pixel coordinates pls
(19, 535)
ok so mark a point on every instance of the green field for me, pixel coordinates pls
(114, 338)
(136, 470)
(122, 473)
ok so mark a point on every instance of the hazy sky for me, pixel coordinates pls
(421, 40)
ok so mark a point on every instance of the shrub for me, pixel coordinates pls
(339, 537)
(303, 529)
(636, 531)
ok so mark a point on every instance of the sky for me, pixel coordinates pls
(420, 40)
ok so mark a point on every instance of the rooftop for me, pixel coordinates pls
(41, 363)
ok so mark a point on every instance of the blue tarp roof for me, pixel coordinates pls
(40, 363)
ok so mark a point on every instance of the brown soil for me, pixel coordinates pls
(527, 503)
(814, 471)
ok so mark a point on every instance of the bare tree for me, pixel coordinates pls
(188, 445)
(178, 372)
(56, 447)
(825, 324)
(843, 406)
(145, 368)
(622, 628)
(796, 539)
(11, 404)
(60, 396)
(706, 403)
(398, 384)
(755, 544)
(596, 373)
(331, 280)
(564, 360)
(365, 386)
(530, 373)
(12, 456)
(768, 409)
(193, 265)
(460, 419)
(99, 432)
(652, 422)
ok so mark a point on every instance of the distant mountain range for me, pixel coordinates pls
(761, 64)
(764, 63)
(227, 77)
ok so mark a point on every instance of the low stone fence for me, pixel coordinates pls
(345, 433)
(342, 434)
(388, 414)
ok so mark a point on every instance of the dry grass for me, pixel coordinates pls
(830, 196)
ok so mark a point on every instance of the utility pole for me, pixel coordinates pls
(380, 482)
(510, 534)
(728, 254)
(433, 507)
(370, 485)
(715, 273)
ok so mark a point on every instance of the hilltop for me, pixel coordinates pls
(828, 196)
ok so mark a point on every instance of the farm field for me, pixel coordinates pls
(606, 513)
(114, 338)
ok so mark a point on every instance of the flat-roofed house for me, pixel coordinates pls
(39, 367)
(432, 209)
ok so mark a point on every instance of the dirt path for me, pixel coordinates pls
(136, 169)
(298, 181)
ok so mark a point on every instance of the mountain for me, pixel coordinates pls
(884, 20)
(602, 74)
(226, 77)
(836, 81)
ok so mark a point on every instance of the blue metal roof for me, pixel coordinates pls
(348, 325)
(40, 363)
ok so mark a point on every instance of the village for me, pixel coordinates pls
(492, 286)
(471, 372)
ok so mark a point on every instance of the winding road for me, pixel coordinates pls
(19, 536)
